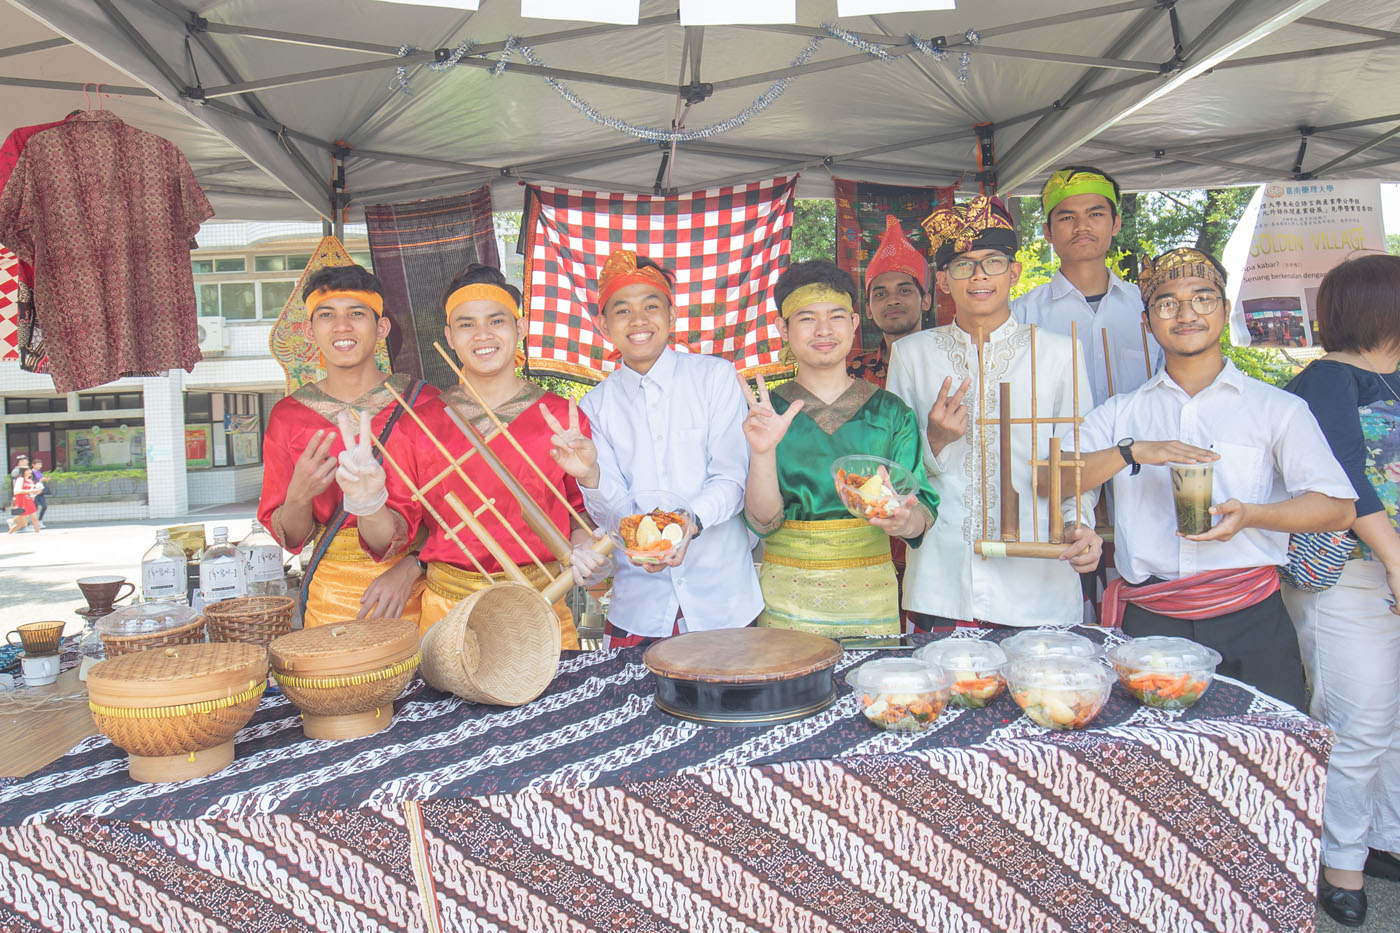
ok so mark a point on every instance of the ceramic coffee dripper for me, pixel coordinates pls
(102, 592)
(38, 638)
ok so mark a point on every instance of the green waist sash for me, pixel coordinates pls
(832, 578)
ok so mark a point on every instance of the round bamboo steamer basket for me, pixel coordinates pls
(499, 646)
(256, 620)
(175, 710)
(345, 677)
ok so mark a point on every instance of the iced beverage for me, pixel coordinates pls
(1191, 484)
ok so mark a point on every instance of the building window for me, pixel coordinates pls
(35, 406)
(272, 297)
(223, 429)
(243, 301)
(109, 401)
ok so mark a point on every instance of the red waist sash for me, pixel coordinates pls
(1200, 596)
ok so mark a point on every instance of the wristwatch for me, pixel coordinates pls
(699, 526)
(1125, 447)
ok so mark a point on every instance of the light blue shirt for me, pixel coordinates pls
(678, 428)
(1057, 304)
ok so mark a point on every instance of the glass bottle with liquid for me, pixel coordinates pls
(263, 555)
(163, 570)
(223, 574)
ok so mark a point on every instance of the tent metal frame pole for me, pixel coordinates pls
(1276, 135)
(625, 150)
(706, 147)
(467, 179)
(1348, 27)
(214, 187)
(939, 82)
(1170, 155)
(133, 35)
(768, 77)
(1356, 151)
(586, 184)
(376, 155)
(1088, 61)
(44, 85)
(40, 46)
(238, 166)
(1371, 46)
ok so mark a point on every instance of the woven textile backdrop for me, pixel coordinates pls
(9, 306)
(418, 247)
(861, 207)
(726, 246)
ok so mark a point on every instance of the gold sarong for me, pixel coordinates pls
(831, 578)
(340, 580)
(449, 585)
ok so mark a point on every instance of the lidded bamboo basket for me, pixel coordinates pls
(175, 710)
(149, 625)
(256, 620)
(344, 677)
(500, 645)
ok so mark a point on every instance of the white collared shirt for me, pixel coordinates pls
(1270, 448)
(678, 428)
(1057, 304)
(944, 576)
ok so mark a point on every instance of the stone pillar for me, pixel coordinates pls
(166, 488)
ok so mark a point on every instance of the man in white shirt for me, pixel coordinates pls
(1273, 474)
(946, 583)
(665, 421)
(1081, 220)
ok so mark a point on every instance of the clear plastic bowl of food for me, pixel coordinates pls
(870, 487)
(1059, 692)
(900, 694)
(977, 668)
(652, 526)
(1164, 671)
(1049, 643)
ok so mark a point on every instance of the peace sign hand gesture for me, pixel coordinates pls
(948, 418)
(360, 476)
(764, 427)
(575, 453)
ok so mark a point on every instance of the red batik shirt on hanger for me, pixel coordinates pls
(105, 213)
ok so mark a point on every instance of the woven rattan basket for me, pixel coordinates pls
(189, 633)
(176, 710)
(500, 646)
(256, 620)
(38, 638)
(344, 677)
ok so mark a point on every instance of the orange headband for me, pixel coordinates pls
(368, 299)
(481, 291)
(621, 270)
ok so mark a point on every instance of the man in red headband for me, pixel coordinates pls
(673, 422)
(896, 295)
(301, 500)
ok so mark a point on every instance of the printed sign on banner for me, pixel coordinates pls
(1291, 235)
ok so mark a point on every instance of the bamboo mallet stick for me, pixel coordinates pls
(982, 427)
(1078, 460)
(1107, 363)
(1035, 447)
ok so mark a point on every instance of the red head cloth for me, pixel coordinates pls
(896, 254)
(621, 270)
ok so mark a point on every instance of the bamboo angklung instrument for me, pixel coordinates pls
(1146, 350)
(1107, 361)
(1010, 501)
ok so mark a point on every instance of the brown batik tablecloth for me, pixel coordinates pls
(591, 810)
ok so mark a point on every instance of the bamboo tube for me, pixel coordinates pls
(1010, 502)
(450, 530)
(508, 566)
(1146, 350)
(511, 438)
(1035, 447)
(1078, 474)
(982, 421)
(1107, 362)
(1057, 518)
(1040, 549)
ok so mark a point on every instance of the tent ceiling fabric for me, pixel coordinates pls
(1217, 118)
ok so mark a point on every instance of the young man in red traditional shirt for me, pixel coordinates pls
(897, 296)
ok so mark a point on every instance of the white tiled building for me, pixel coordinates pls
(196, 435)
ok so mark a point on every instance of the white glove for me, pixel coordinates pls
(589, 566)
(360, 476)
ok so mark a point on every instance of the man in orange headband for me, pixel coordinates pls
(672, 422)
(301, 500)
(484, 327)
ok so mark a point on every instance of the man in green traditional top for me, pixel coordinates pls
(823, 570)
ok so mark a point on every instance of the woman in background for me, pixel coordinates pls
(25, 489)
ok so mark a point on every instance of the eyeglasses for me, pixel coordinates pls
(967, 268)
(1168, 308)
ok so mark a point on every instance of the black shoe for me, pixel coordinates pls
(1381, 864)
(1346, 907)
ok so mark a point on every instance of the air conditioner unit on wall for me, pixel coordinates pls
(212, 339)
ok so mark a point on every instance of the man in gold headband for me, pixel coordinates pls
(667, 421)
(1272, 474)
(940, 373)
(1081, 219)
(301, 499)
(484, 328)
(825, 571)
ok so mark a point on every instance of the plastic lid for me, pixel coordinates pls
(1164, 653)
(1048, 642)
(962, 654)
(1059, 673)
(220, 529)
(898, 675)
(146, 618)
(345, 647)
(867, 465)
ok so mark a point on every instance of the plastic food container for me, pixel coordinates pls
(653, 526)
(1059, 692)
(900, 694)
(867, 492)
(977, 668)
(1163, 671)
(1049, 643)
(149, 625)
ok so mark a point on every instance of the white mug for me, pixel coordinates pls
(39, 670)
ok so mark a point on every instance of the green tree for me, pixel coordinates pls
(813, 230)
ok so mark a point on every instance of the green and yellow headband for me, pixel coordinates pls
(815, 293)
(1068, 182)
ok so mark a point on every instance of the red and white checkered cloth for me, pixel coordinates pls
(9, 305)
(726, 247)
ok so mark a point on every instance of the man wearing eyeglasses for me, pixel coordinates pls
(1273, 474)
(937, 373)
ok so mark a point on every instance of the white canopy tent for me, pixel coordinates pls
(269, 99)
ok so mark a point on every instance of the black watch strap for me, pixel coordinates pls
(699, 526)
(1125, 447)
